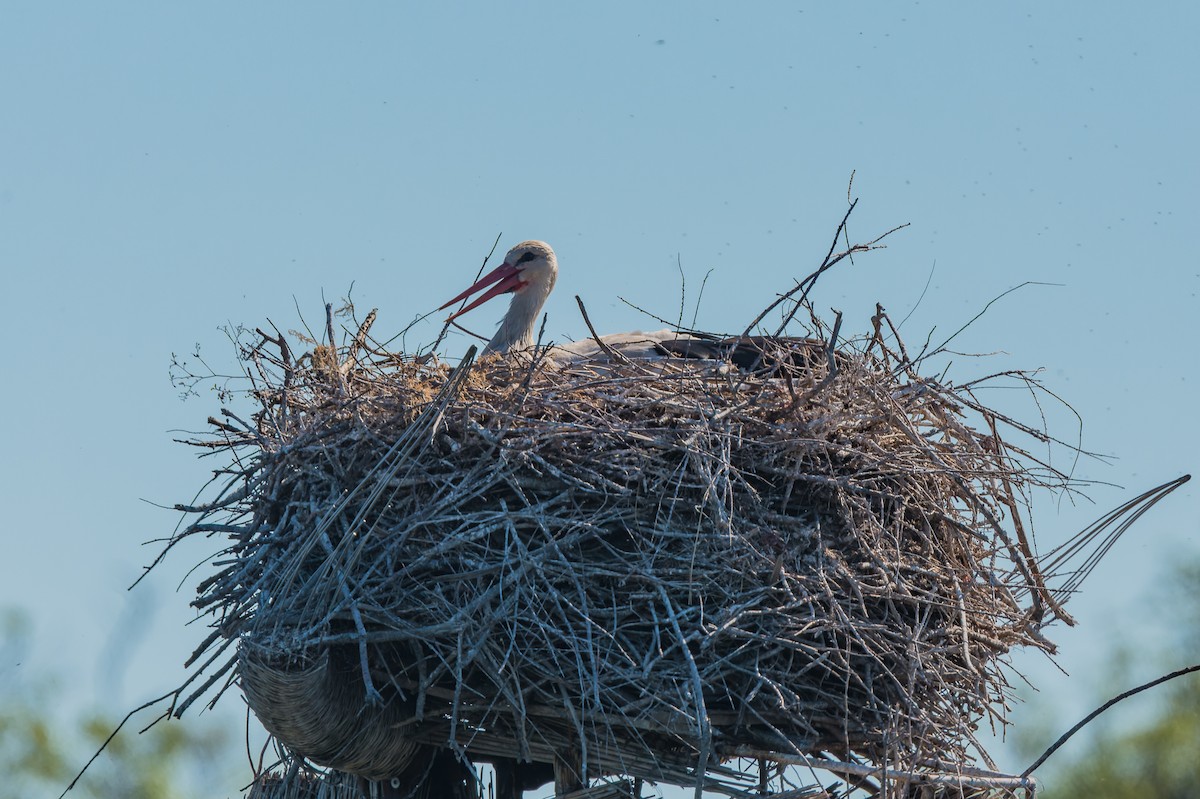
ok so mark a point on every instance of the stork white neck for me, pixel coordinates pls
(528, 272)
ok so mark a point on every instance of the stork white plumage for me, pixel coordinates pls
(528, 273)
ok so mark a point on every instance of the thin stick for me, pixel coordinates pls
(360, 342)
(1101, 709)
(966, 777)
(446, 327)
(113, 734)
(609, 351)
(807, 283)
(973, 319)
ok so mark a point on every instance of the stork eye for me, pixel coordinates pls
(526, 257)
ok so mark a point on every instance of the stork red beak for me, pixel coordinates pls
(508, 277)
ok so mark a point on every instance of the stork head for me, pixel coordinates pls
(528, 273)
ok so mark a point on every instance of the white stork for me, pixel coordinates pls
(529, 272)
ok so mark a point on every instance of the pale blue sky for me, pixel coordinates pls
(168, 168)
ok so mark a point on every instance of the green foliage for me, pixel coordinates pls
(1160, 758)
(28, 747)
(169, 761)
(40, 753)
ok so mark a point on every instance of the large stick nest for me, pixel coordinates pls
(641, 567)
(654, 564)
